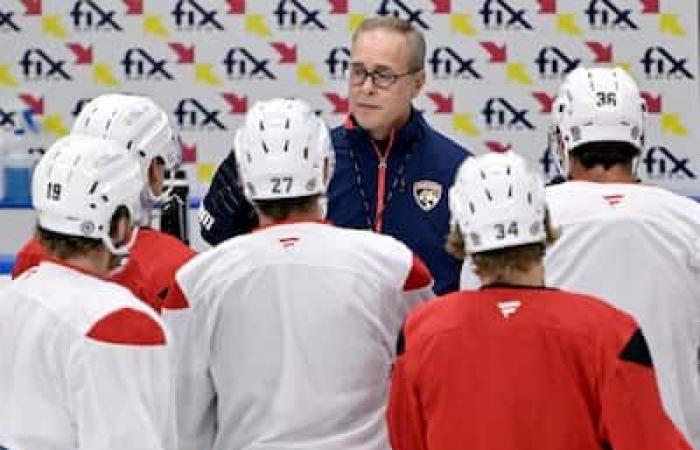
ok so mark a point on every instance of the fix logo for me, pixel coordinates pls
(36, 64)
(661, 163)
(7, 23)
(79, 105)
(660, 63)
(138, 64)
(89, 16)
(191, 114)
(294, 14)
(239, 63)
(499, 113)
(500, 15)
(402, 10)
(446, 63)
(552, 62)
(190, 15)
(606, 15)
(338, 62)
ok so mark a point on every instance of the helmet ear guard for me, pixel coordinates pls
(498, 203)
(81, 183)
(283, 150)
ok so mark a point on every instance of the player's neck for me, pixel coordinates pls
(310, 216)
(532, 277)
(96, 262)
(618, 173)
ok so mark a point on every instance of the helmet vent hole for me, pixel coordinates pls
(93, 206)
(93, 187)
(306, 152)
(286, 145)
(507, 170)
(264, 146)
(510, 191)
(250, 160)
(262, 126)
(625, 123)
(142, 154)
(129, 145)
(286, 124)
(483, 175)
(105, 198)
(561, 108)
(488, 195)
(471, 207)
(529, 198)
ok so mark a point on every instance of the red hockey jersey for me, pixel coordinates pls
(527, 369)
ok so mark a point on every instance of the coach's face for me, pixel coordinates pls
(381, 83)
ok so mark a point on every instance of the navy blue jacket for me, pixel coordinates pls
(421, 167)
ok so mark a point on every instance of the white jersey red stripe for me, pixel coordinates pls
(638, 247)
(286, 337)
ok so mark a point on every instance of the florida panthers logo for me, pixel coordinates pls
(427, 194)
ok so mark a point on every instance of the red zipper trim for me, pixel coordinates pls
(381, 182)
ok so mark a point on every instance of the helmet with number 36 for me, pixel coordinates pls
(596, 105)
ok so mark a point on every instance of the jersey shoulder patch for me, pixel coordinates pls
(637, 350)
(127, 326)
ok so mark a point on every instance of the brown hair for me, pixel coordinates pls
(414, 37)
(65, 246)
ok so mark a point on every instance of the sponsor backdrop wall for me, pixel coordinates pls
(493, 66)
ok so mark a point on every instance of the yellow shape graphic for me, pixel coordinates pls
(306, 73)
(463, 123)
(153, 24)
(670, 23)
(517, 73)
(462, 24)
(256, 25)
(204, 73)
(354, 20)
(566, 23)
(671, 124)
(205, 172)
(53, 123)
(6, 77)
(102, 74)
(51, 25)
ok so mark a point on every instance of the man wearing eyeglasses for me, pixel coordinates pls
(393, 170)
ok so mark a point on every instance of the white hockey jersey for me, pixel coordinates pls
(638, 246)
(286, 338)
(83, 365)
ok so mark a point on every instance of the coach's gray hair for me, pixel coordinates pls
(414, 37)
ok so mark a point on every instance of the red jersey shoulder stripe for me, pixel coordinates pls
(418, 277)
(128, 326)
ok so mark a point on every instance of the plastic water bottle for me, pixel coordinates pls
(18, 163)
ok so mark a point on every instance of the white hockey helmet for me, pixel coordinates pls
(498, 202)
(79, 184)
(283, 150)
(596, 105)
(138, 124)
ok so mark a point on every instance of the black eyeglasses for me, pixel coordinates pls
(380, 78)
